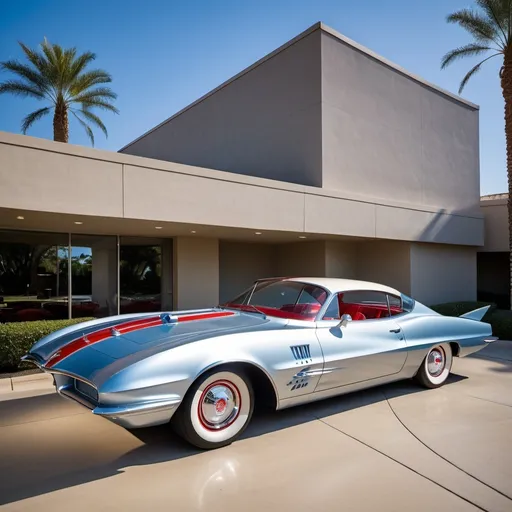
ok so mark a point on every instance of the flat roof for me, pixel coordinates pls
(328, 30)
(492, 197)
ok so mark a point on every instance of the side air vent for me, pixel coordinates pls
(301, 352)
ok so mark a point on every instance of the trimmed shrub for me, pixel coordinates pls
(16, 339)
(459, 308)
(501, 321)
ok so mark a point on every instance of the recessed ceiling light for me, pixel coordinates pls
(257, 233)
(302, 237)
(78, 222)
(193, 232)
(20, 217)
(158, 227)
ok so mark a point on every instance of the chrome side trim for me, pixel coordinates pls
(31, 358)
(146, 407)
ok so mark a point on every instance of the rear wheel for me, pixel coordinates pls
(436, 366)
(216, 409)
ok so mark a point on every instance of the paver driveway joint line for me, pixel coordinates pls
(490, 401)
(494, 358)
(403, 465)
(438, 454)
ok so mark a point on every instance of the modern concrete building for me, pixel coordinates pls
(322, 159)
(494, 256)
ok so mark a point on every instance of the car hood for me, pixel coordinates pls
(118, 342)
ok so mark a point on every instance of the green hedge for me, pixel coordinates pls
(16, 338)
(500, 319)
(459, 308)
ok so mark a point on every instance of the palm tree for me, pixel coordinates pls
(490, 26)
(58, 75)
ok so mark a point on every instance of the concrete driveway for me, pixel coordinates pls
(394, 448)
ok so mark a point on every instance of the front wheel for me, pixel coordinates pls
(216, 409)
(436, 366)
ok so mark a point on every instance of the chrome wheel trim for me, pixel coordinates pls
(436, 360)
(441, 377)
(219, 405)
(236, 423)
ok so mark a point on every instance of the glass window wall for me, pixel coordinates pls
(45, 276)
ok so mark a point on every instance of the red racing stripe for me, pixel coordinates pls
(101, 335)
(124, 328)
(203, 316)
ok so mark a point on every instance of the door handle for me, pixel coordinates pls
(395, 330)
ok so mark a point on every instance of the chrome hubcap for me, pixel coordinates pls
(435, 362)
(219, 405)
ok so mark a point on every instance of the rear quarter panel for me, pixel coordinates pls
(424, 331)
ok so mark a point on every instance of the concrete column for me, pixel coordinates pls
(386, 262)
(196, 273)
(167, 277)
(104, 274)
(443, 273)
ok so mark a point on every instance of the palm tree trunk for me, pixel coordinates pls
(506, 86)
(60, 122)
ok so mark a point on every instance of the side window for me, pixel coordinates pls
(333, 309)
(364, 305)
(407, 303)
(395, 305)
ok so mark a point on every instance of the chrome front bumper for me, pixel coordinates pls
(137, 415)
(140, 415)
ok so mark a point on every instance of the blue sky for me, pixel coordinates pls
(164, 54)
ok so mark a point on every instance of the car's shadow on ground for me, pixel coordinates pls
(159, 443)
(499, 352)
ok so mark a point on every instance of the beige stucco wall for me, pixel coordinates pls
(240, 264)
(301, 259)
(387, 134)
(38, 180)
(43, 176)
(196, 272)
(341, 259)
(496, 225)
(385, 262)
(441, 273)
(265, 122)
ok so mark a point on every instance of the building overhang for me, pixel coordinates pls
(62, 184)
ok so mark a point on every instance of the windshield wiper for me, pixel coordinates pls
(248, 308)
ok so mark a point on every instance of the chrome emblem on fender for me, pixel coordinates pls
(299, 380)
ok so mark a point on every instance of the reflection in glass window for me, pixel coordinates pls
(363, 305)
(407, 303)
(31, 274)
(140, 276)
(395, 305)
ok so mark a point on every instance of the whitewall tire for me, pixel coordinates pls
(216, 409)
(436, 366)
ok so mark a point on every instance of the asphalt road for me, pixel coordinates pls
(396, 447)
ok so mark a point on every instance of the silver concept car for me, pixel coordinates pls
(284, 341)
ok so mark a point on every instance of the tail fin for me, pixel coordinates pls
(476, 314)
